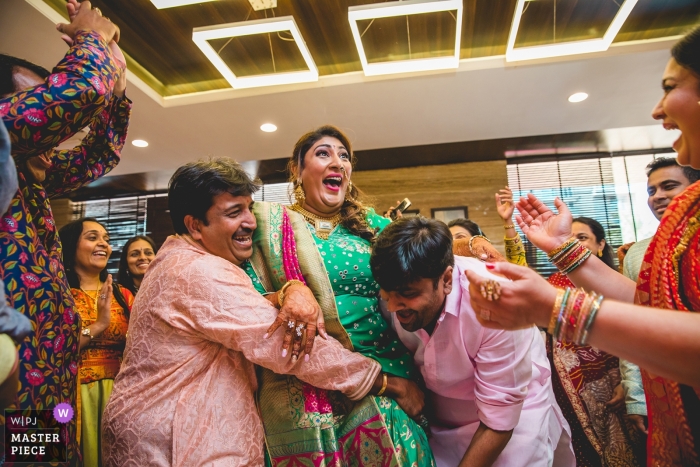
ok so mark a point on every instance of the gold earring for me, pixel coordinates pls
(600, 253)
(348, 196)
(299, 195)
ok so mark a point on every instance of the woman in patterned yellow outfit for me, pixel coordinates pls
(104, 310)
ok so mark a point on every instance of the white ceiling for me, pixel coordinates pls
(484, 99)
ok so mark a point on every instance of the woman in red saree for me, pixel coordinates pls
(660, 331)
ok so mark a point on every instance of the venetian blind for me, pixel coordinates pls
(275, 193)
(611, 190)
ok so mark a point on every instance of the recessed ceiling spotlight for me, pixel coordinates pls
(268, 127)
(578, 97)
(139, 143)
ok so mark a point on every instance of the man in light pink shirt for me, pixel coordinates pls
(490, 391)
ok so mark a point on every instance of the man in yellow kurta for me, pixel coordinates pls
(185, 393)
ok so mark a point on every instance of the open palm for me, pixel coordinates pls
(543, 228)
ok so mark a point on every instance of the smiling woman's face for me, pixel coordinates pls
(325, 176)
(93, 249)
(679, 108)
(139, 257)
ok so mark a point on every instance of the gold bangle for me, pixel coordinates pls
(281, 294)
(555, 311)
(511, 226)
(561, 247)
(384, 381)
(471, 241)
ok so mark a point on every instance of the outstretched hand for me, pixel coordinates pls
(542, 227)
(526, 300)
(301, 316)
(505, 205)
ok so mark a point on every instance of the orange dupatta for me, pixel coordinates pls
(669, 279)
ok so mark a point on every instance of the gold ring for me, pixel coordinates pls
(490, 290)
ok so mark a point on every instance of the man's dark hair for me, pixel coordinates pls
(8, 65)
(410, 249)
(470, 226)
(193, 187)
(690, 173)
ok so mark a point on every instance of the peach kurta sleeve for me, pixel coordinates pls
(226, 309)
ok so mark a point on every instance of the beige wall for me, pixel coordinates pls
(62, 211)
(470, 184)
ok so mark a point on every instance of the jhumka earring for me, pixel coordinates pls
(299, 195)
(348, 196)
(600, 253)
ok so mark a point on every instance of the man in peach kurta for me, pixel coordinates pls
(185, 393)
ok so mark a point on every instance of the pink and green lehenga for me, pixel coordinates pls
(306, 426)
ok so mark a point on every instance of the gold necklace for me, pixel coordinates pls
(97, 294)
(323, 225)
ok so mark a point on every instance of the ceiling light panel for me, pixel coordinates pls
(560, 49)
(202, 36)
(405, 8)
(160, 4)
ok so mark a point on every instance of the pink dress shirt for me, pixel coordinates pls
(501, 378)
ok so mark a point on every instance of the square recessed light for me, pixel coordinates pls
(404, 8)
(202, 36)
(564, 48)
(160, 4)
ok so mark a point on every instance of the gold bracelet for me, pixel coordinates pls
(511, 226)
(384, 381)
(471, 241)
(555, 311)
(280, 296)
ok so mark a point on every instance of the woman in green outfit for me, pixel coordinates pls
(324, 240)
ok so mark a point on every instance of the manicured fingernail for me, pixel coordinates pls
(490, 266)
(266, 336)
(284, 353)
(294, 358)
(306, 357)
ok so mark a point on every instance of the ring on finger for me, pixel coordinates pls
(300, 328)
(291, 324)
(103, 296)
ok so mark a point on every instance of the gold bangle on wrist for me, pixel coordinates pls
(283, 290)
(511, 226)
(471, 242)
(384, 382)
(555, 310)
(86, 332)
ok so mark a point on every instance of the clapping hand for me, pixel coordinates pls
(542, 227)
(526, 300)
(85, 18)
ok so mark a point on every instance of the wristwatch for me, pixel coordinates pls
(86, 332)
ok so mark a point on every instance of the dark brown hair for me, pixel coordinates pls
(687, 51)
(353, 212)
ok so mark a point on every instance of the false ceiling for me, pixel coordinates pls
(162, 54)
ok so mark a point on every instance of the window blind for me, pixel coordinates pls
(275, 193)
(611, 190)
